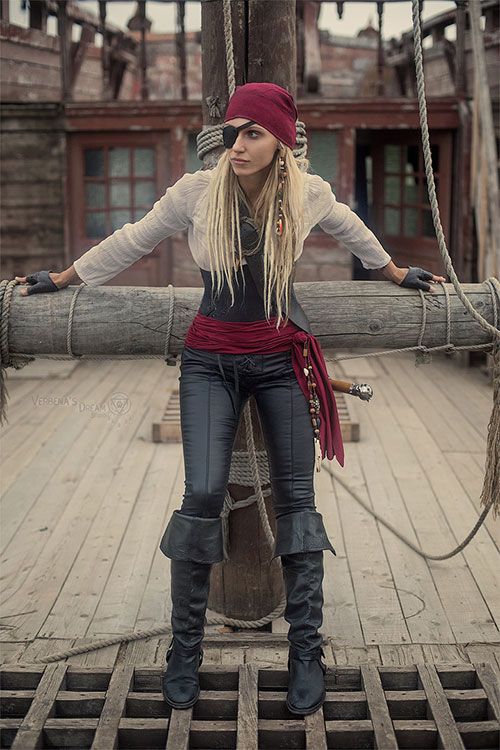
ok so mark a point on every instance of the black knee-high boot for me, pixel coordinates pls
(193, 544)
(300, 541)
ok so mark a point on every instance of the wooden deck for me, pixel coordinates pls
(86, 495)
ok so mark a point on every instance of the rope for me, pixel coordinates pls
(424, 353)
(69, 331)
(6, 358)
(228, 38)
(401, 537)
(241, 471)
(210, 137)
(163, 630)
(417, 39)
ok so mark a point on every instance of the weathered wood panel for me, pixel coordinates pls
(124, 320)
(30, 68)
(32, 158)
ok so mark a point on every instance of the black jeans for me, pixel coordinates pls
(213, 388)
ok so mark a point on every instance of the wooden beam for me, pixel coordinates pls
(180, 46)
(380, 51)
(105, 52)
(118, 68)
(460, 66)
(64, 26)
(487, 135)
(81, 17)
(4, 10)
(133, 320)
(369, 113)
(143, 57)
(311, 44)
(449, 54)
(78, 50)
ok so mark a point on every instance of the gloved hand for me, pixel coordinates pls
(39, 281)
(417, 278)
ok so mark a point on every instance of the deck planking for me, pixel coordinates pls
(80, 546)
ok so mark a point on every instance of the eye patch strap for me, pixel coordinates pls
(230, 133)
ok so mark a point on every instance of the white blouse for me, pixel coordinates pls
(182, 207)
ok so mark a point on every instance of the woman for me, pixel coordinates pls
(242, 343)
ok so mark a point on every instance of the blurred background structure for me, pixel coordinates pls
(99, 117)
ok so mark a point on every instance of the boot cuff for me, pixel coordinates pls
(303, 531)
(193, 538)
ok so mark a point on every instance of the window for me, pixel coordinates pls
(193, 164)
(406, 202)
(369, 189)
(322, 153)
(120, 187)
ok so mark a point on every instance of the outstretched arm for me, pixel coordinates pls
(412, 277)
(339, 220)
(170, 214)
(38, 282)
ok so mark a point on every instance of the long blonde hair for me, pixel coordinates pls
(223, 236)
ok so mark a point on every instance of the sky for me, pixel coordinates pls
(397, 15)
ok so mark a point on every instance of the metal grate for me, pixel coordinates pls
(368, 706)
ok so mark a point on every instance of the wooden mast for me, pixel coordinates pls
(264, 48)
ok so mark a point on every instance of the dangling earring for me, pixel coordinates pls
(281, 177)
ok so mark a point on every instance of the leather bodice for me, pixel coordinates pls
(248, 304)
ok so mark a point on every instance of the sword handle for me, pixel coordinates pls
(361, 390)
(340, 385)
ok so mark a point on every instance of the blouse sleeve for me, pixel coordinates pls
(342, 223)
(171, 213)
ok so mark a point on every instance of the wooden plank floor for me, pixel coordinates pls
(86, 496)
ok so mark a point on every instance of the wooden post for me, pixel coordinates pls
(311, 54)
(461, 229)
(264, 48)
(460, 68)
(4, 10)
(491, 265)
(105, 53)
(180, 46)
(87, 37)
(380, 51)
(143, 56)
(215, 94)
(272, 47)
(64, 26)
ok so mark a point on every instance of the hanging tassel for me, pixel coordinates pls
(490, 494)
(317, 454)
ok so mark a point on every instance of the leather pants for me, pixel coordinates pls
(213, 389)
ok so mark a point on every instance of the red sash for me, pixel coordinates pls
(262, 337)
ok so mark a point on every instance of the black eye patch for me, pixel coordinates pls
(230, 133)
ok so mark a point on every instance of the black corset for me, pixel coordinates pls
(248, 304)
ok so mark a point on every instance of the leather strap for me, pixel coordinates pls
(255, 261)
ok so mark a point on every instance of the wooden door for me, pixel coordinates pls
(399, 209)
(115, 178)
